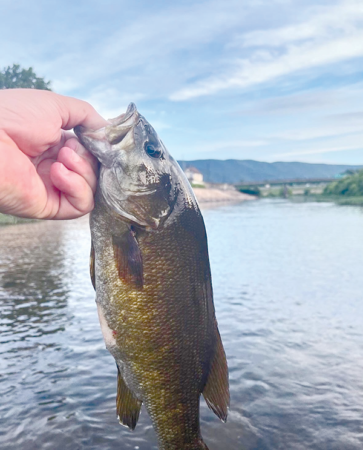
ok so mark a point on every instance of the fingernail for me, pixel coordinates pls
(63, 169)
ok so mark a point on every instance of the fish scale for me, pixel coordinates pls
(150, 268)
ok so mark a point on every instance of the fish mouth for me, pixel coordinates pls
(112, 133)
(100, 142)
(82, 132)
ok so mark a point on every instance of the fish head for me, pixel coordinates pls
(138, 177)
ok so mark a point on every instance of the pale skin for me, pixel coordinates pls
(45, 173)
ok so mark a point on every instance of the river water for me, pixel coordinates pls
(288, 291)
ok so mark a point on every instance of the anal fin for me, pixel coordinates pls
(216, 390)
(127, 405)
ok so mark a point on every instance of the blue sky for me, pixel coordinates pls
(271, 80)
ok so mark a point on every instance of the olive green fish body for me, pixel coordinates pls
(150, 268)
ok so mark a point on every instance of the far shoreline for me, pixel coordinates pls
(229, 194)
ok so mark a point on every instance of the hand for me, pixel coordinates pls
(45, 172)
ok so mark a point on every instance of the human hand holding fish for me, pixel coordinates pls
(45, 172)
(149, 255)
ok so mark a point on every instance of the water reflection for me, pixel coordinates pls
(33, 285)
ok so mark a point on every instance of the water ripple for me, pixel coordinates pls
(288, 289)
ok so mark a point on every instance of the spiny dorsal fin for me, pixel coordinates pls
(127, 405)
(216, 391)
(92, 266)
(128, 259)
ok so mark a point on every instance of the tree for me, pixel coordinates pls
(16, 77)
(350, 186)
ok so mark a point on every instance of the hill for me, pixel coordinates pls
(236, 171)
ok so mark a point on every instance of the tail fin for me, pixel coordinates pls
(196, 445)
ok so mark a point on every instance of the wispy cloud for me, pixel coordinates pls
(305, 102)
(228, 145)
(316, 151)
(321, 22)
(333, 129)
(320, 41)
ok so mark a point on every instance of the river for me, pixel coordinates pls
(288, 290)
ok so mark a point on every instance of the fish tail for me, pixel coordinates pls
(197, 445)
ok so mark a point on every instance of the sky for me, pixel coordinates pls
(270, 80)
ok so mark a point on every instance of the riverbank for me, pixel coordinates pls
(215, 195)
(337, 199)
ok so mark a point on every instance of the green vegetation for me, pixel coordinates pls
(198, 185)
(351, 201)
(16, 77)
(250, 190)
(349, 186)
(6, 219)
(278, 192)
(339, 200)
(345, 191)
(306, 191)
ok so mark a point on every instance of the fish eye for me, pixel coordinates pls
(152, 151)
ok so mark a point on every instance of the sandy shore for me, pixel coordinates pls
(213, 195)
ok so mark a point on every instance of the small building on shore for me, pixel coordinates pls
(194, 175)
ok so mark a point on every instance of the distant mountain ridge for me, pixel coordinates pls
(236, 171)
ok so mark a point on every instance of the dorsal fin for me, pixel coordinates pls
(128, 259)
(216, 390)
(127, 405)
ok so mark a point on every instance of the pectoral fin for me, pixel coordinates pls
(128, 259)
(127, 405)
(216, 390)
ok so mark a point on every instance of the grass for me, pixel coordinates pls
(6, 219)
(353, 201)
(198, 185)
(338, 199)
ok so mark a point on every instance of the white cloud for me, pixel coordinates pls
(228, 145)
(320, 41)
(319, 150)
(353, 142)
(265, 68)
(320, 131)
(303, 102)
(143, 51)
(322, 23)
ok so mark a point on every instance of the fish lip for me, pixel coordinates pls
(82, 132)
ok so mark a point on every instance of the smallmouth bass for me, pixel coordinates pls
(150, 269)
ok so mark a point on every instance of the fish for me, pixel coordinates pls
(150, 268)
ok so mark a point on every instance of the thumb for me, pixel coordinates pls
(75, 112)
